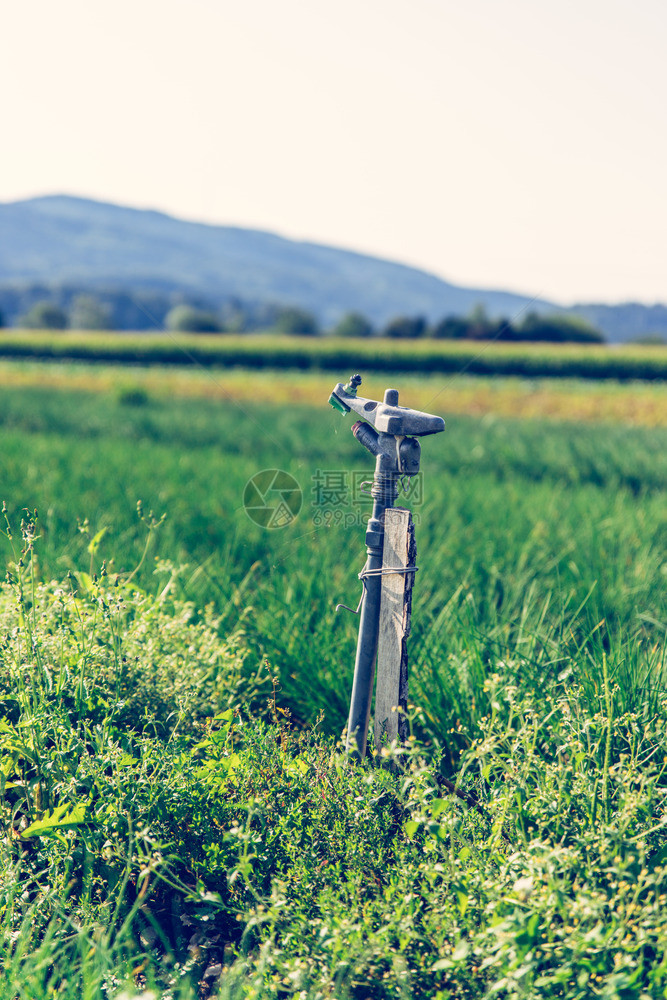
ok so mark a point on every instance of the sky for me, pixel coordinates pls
(515, 144)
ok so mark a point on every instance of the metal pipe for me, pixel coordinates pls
(367, 643)
(384, 492)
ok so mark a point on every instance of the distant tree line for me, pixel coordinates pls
(62, 307)
(555, 327)
(39, 307)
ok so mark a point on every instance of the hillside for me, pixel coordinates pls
(61, 240)
(56, 245)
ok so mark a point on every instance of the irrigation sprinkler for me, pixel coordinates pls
(390, 433)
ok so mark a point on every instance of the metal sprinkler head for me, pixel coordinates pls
(389, 432)
(386, 417)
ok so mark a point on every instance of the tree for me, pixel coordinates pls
(480, 326)
(353, 324)
(297, 321)
(44, 315)
(558, 328)
(406, 326)
(88, 313)
(188, 319)
(451, 327)
(234, 316)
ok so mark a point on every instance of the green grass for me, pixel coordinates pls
(274, 351)
(575, 400)
(513, 512)
(174, 691)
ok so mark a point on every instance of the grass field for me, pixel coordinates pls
(180, 817)
(579, 400)
(380, 354)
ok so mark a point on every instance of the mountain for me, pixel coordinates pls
(627, 321)
(62, 242)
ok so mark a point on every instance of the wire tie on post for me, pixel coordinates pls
(386, 570)
(382, 571)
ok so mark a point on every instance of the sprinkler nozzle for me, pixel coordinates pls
(350, 390)
(368, 436)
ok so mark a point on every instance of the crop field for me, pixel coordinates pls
(274, 351)
(180, 820)
(570, 399)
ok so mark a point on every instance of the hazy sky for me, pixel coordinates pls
(518, 143)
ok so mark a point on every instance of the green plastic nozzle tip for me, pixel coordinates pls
(338, 404)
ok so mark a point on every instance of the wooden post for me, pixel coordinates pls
(391, 696)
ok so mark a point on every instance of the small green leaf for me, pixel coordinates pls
(224, 716)
(231, 763)
(59, 819)
(462, 950)
(410, 827)
(85, 581)
(297, 766)
(658, 859)
(462, 900)
(94, 543)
